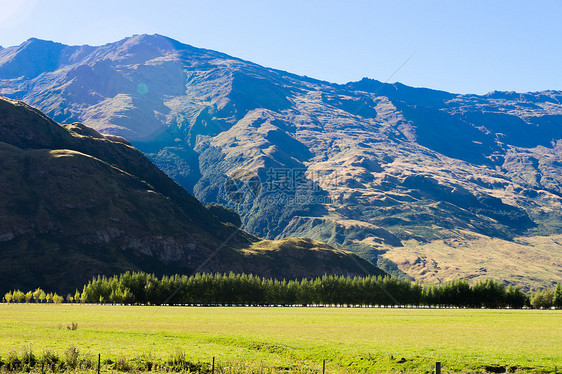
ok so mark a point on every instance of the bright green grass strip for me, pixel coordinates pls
(371, 340)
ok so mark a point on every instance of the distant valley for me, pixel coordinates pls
(426, 184)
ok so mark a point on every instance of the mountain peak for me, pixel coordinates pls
(149, 37)
(143, 38)
(157, 40)
(21, 60)
(36, 42)
(140, 48)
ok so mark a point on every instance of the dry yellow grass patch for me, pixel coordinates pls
(524, 261)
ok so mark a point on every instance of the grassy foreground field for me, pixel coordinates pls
(351, 340)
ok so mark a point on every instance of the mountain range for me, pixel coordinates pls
(427, 184)
(75, 204)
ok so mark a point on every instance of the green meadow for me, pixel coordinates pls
(280, 339)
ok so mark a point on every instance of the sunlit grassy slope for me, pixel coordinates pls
(372, 340)
(521, 261)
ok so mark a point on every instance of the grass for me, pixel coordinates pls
(351, 340)
(528, 262)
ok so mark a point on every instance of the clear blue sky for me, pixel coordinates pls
(459, 46)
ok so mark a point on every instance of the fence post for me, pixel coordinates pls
(555, 370)
(323, 366)
(437, 367)
(213, 368)
(99, 362)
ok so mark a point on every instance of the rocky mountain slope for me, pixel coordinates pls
(424, 182)
(75, 203)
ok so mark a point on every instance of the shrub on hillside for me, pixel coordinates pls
(542, 299)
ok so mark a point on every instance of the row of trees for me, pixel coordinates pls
(38, 296)
(242, 289)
